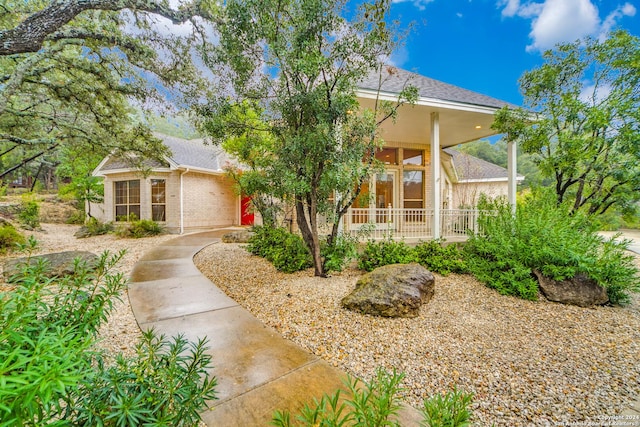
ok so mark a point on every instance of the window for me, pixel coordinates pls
(158, 199)
(413, 182)
(127, 199)
(388, 156)
(412, 157)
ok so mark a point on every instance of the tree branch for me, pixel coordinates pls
(30, 34)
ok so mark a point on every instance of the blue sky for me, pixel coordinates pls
(486, 45)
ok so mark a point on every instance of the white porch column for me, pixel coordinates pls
(435, 173)
(512, 174)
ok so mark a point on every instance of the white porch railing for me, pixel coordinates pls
(398, 223)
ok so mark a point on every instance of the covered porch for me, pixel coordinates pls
(415, 197)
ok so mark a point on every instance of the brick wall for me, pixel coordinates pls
(209, 200)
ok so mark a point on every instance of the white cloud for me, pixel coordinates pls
(561, 21)
(610, 21)
(510, 7)
(592, 94)
(420, 4)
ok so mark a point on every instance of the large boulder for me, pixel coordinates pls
(239, 236)
(60, 263)
(580, 290)
(396, 290)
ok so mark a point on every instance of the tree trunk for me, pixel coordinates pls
(310, 238)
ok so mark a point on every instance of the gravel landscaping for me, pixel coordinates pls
(528, 363)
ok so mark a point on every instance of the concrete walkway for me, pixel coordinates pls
(258, 371)
(632, 235)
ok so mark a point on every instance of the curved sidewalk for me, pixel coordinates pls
(258, 371)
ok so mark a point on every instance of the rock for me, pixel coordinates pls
(60, 263)
(396, 290)
(580, 290)
(240, 236)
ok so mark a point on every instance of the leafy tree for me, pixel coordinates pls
(247, 137)
(297, 63)
(69, 70)
(587, 124)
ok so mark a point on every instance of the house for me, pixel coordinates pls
(467, 177)
(412, 198)
(190, 191)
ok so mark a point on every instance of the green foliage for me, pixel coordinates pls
(371, 404)
(286, 251)
(438, 258)
(29, 213)
(376, 403)
(93, 227)
(339, 253)
(615, 219)
(584, 134)
(281, 59)
(166, 383)
(77, 217)
(450, 410)
(51, 373)
(546, 237)
(10, 238)
(84, 84)
(433, 255)
(47, 327)
(385, 252)
(139, 228)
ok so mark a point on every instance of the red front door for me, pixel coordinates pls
(246, 211)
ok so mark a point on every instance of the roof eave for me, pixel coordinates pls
(428, 102)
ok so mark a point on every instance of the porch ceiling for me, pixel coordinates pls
(459, 123)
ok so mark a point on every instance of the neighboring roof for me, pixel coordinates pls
(472, 169)
(195, 153)
(185, 153)
(396, 79)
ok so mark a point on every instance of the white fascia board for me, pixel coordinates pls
(200, 170)
(427, 102)
(128, 170)
(480, 180)
(96, 170)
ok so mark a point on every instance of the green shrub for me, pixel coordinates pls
(337, 255)
(441, 259)
(376, 403)
(166, 383)
(76, 217)
(53, 375)
(544, 236)
(450, 410)
(93, 227)
(371, 404)
(10, 238)
(29, 214)
(286, 251)
(139, 228)
(385, 252)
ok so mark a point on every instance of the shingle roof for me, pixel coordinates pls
(191, 153)
(195, 153)
(469, 167)
(395, 79)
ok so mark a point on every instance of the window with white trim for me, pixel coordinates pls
(127, 200)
